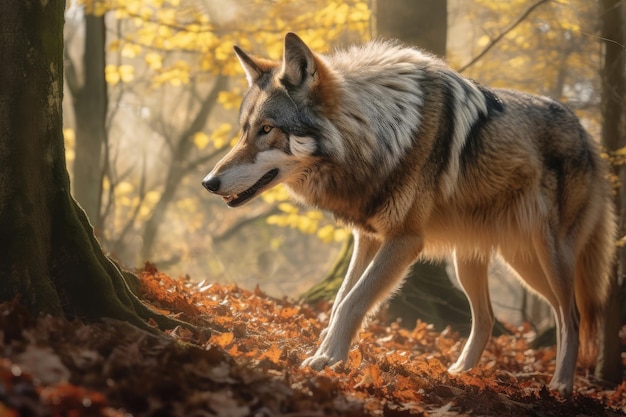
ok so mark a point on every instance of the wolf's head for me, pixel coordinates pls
(280, 119)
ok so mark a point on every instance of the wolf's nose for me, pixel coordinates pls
(212, 183)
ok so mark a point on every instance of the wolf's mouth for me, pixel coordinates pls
(238, 199)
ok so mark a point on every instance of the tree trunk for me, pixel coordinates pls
(51, 261)
(613, 16)
(90, 104)
(422, 23)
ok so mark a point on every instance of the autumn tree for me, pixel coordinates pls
(51, 261)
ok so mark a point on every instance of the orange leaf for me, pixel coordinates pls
(223, 339)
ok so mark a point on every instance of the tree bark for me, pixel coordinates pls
(613, 20)
(51, 261)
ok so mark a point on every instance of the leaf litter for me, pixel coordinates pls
(245, 358)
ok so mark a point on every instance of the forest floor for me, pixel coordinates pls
(246, 362)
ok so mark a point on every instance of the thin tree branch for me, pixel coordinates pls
(502, 34)
(201, 117)
(201, 160)
(238, 226)
(133, 217)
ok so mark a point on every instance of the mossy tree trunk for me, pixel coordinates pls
(50, 260)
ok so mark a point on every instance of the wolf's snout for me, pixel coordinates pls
(211, 183)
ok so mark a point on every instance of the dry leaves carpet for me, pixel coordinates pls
(246, 363)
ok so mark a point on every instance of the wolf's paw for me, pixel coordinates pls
(324, 357)
(561, 387)
(456, 368)
(318, 362)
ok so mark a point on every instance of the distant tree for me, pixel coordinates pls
(51, 261)
(423, 24)
(90, 102)
(613, 37)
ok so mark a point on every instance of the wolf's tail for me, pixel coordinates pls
(593, 271)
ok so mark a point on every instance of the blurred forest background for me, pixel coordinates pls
(151, 99)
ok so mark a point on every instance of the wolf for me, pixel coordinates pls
(423, 163)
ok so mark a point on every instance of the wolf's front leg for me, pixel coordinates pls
(380, 278)
(365, 247)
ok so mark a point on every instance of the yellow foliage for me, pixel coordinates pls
(124, 188)
(130, 50)
(201, 140)
(327, 233)
(287, 208)
(152, 197)
(315, 214)
(306, 225)
(70, 144)
(114, 74)
(220, 135)
(275, 194)
(230, 99)
(277, 220)
(176, 75)
(341, 234)
(144, 211)
(154, 60)
(166, 26)
(70, 137)
(106, 184)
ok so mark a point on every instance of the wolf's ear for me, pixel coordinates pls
(298, 62)
(250, 67)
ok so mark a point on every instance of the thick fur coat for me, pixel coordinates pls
(422, 162)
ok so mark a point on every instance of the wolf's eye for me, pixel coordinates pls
(265, 129)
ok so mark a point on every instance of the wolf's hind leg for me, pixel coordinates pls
(558, 262)
(365, 247)
(381, 277)
(531, 272)
(550, 271)
(472, 274)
